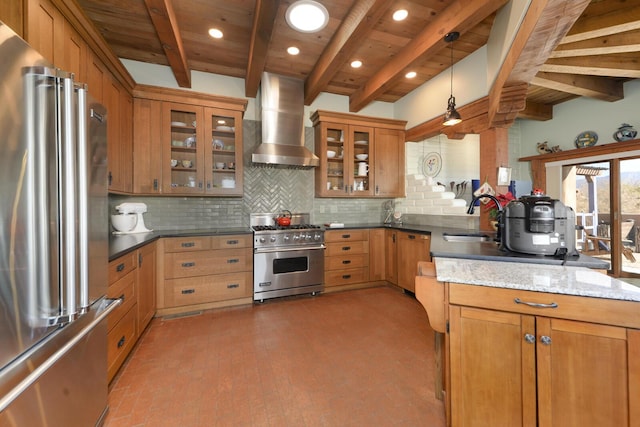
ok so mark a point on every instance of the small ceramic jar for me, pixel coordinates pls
(625, 132)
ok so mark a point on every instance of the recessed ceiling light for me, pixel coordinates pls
(356, 64)
(293, 50)
(400, 15)
(411, 74)
(215, 33)
(307, 16)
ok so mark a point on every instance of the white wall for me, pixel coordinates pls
(573, 117)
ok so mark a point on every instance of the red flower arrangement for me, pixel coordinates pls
(491, 208)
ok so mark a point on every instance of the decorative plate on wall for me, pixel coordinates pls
(432, 164)
(587, 138)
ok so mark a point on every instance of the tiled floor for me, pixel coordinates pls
(356, 358)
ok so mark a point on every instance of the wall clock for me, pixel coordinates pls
(431, 164)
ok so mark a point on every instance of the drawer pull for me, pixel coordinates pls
(188, 264)
(233, 261)
(346, 261)
(188, 291)
(120, 267)
(188, 244)
(121, 342)
(535, 304)
(232, 242)
(346, 248)
(346, 276)
(233, 285)
(411, 237)
(346, 236)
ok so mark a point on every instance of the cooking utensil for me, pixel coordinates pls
(284, 219)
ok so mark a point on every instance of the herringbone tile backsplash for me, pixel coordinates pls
(266, 189)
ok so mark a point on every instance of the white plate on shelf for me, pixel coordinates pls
(330, 139)
(361, 142)
(224, 128)
(178, 124)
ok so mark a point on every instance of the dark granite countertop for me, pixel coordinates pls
(488, 251)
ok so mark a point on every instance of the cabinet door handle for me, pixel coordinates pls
(188, 264)
(233, 261)
(121, 342)
(530, 338)
(346, 261)
(232, 242)
(208, 185)
(535, 304)
(188, 244)
(346, 276)
(377, 190)
(199, 184)
(188, 291)
(233, 285)
(346, 248)
(139, 260)
(120, 267)
(155, 184)
(546, 340)
(121, 297)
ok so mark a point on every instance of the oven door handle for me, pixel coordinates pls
(297, 248)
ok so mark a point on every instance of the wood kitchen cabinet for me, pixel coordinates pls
(411, 249)
(377, 254)
(354, 139)
(573, 365)
(391, 256)
(196, 150)
(346, 259)
(201, 272)
(146, 285)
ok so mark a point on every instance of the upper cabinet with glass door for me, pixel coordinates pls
(183, 168)
(346, 146)
(224, 154)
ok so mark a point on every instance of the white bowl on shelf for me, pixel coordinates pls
(362, 156)
(331, 154)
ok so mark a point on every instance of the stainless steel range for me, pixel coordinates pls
(287, 260)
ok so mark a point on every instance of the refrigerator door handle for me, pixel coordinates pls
(30, 379)
(83, 196)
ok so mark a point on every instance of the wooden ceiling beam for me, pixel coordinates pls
(619, 65)
(606, 45)
(602, 88)
(354, 29)
(264, 19)
(166, 26)
(536, 111)
(544, 25)
(460, 15)
(617, 21)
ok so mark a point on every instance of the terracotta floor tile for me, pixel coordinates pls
(353, 358)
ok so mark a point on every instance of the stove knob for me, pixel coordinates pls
(262, 240)
(286, 238)
(317, 236)
(307, 237)
(272, 239)
(296, 237)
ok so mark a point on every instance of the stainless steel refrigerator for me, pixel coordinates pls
(53, 244)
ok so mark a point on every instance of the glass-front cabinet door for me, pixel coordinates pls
(345, 153)
(183, 165)
(223, 143)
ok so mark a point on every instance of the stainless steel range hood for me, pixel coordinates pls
(282, 144)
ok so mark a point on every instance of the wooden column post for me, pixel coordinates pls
(494, 152)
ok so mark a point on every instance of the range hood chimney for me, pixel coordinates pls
(282, 100)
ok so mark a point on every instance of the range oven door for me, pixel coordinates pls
(290, 271)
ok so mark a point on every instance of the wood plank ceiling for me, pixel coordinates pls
(563, 50)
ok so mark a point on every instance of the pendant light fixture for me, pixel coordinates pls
(451, 117)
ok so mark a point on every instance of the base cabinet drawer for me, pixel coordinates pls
(346, 261)
(199, 290)
(201, 263)
(125, 290)
(346, 276)
(351, 247)
(120, 341)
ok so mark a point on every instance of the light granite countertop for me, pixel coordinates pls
(539, 278)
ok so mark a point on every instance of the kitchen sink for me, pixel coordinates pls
(467, 237)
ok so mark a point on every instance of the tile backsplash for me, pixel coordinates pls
(266, 189)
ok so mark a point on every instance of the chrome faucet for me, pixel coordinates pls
(498, 205)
